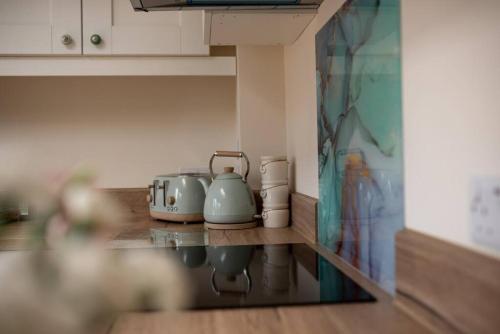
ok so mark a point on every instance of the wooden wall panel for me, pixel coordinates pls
(133, 199)
(447, 286)
(304, 215)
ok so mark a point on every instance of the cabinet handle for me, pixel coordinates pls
(95, 39)
(66, 39)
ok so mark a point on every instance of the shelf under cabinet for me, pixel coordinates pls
(117, 66)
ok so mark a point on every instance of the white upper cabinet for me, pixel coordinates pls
(111, 27)
(40, 27)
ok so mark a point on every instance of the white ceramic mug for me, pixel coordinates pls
(275, 218)
(275, 197)
(274, 171)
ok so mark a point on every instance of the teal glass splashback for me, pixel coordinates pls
(360, 143)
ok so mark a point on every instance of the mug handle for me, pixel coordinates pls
(263, 168)
(276, 186)
(271, 161)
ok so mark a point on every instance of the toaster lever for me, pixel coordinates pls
(149, 197)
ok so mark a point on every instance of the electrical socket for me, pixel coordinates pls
(485, 212)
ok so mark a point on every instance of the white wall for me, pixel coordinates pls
(261, 104)
(126, 129)
(451, 109)
(300, 104)
(451, 83)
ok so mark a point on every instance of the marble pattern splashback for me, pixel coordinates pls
(360, 153)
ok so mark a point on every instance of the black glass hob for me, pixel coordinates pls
(264, 275)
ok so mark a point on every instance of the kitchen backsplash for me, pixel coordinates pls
(360, 136)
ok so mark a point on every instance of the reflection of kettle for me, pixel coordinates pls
(228, 199)
(230, 261)
(192, 256)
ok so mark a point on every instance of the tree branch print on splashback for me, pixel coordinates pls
(360, 136)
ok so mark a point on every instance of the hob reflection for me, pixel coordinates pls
(264, 275)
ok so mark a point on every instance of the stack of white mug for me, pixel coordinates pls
(274, 193)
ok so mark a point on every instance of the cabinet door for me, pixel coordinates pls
(37, 27)
(122, 31)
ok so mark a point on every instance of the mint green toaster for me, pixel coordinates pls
(177, 197)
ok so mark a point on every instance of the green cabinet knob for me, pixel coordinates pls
(95, 39)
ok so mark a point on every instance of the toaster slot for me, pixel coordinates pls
(164, 187)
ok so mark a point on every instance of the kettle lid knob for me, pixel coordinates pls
(228, 169)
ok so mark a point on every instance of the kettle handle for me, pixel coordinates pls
(219, 292)
(229, 154)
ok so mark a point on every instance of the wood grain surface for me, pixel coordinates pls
(140, 230)
(304, 215)
(448, 287)
(238, 226)
(345, 318)
(132, 199)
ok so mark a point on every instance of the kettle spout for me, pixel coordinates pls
(204, 183)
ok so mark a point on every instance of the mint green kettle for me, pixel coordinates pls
(229, 199)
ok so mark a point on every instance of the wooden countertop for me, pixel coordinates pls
(379, 317)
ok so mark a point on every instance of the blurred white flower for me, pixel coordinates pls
(83, 204)
(79, 286)
(123, 280)
(89, 213)
(27, 305)
(79, 289)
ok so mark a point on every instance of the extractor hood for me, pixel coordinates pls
(154, 5)
(244, 22)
